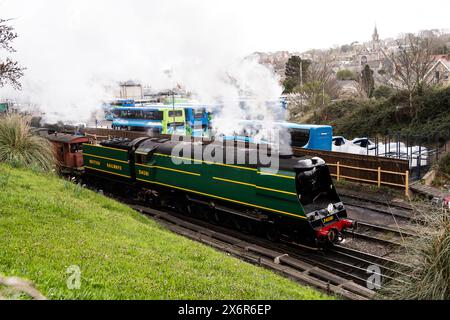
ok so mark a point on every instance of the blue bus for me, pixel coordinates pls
(192, 119)
(198, 119)
(309, 136)
(124, 103)
(195, 120)
(109, 107)
(156, 119)
(313, 137)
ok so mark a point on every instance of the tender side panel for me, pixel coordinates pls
(244, 185)
(235, 184)
(107, 160)
(112, 153)
(162, 171)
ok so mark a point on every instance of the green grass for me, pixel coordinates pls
(48, 225)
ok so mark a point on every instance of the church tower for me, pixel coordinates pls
(375, 40)
(375, 36)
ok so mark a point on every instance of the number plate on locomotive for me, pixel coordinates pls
(328, 219)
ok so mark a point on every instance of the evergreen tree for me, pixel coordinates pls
(296, 73)
(367, 81)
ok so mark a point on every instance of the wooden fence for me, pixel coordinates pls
(380, 171)
(362, 168)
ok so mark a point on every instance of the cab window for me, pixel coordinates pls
(141, 158)
(176, 113)
(339, 142)
(75, 148)
(199, 113)
(299, 137)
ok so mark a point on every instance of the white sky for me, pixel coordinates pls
(271, 25)
(73, 49)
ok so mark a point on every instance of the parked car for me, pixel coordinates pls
(391, 150)
(391, 147)
(340, 144)
(364, 143)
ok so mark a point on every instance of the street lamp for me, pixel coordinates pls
(172, 92)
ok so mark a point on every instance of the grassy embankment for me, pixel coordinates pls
(47, 225)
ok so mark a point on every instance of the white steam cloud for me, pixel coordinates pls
(75, 49)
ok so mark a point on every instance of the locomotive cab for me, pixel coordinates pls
(324, 209)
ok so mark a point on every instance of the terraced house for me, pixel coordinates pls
(439, 73)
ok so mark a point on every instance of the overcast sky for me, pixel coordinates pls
(271, 25)
(74, 49)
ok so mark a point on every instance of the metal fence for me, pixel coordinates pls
(420, 151)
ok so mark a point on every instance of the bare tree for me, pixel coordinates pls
(439, 40)
(10, 70)
(411, 64)
(321, 85)
(322, 72)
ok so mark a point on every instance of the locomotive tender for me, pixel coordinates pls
(298, 201)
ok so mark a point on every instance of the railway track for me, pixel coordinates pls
(389, 223)
(386, 210)
(399, 205)
(277, 260)
(390, 268)
(396, 209)
(381, 234)
(339, 271)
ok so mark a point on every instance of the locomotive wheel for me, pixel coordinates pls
(151, 199)
(190, 209)
(333, 236)
(273, 234)
(210, 215)
(225, 219)
(235, 222)
(179, 206)
(245, 227)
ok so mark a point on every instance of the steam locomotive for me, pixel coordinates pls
(298, 201)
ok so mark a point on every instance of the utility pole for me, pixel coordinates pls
(173, 109)
(323, 94)
(301, 72)
(301, 82)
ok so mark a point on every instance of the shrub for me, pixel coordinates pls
(346, 74)
(428, 257)
(383, 92)
(444, 165)
(429, 117)
(20, 148)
